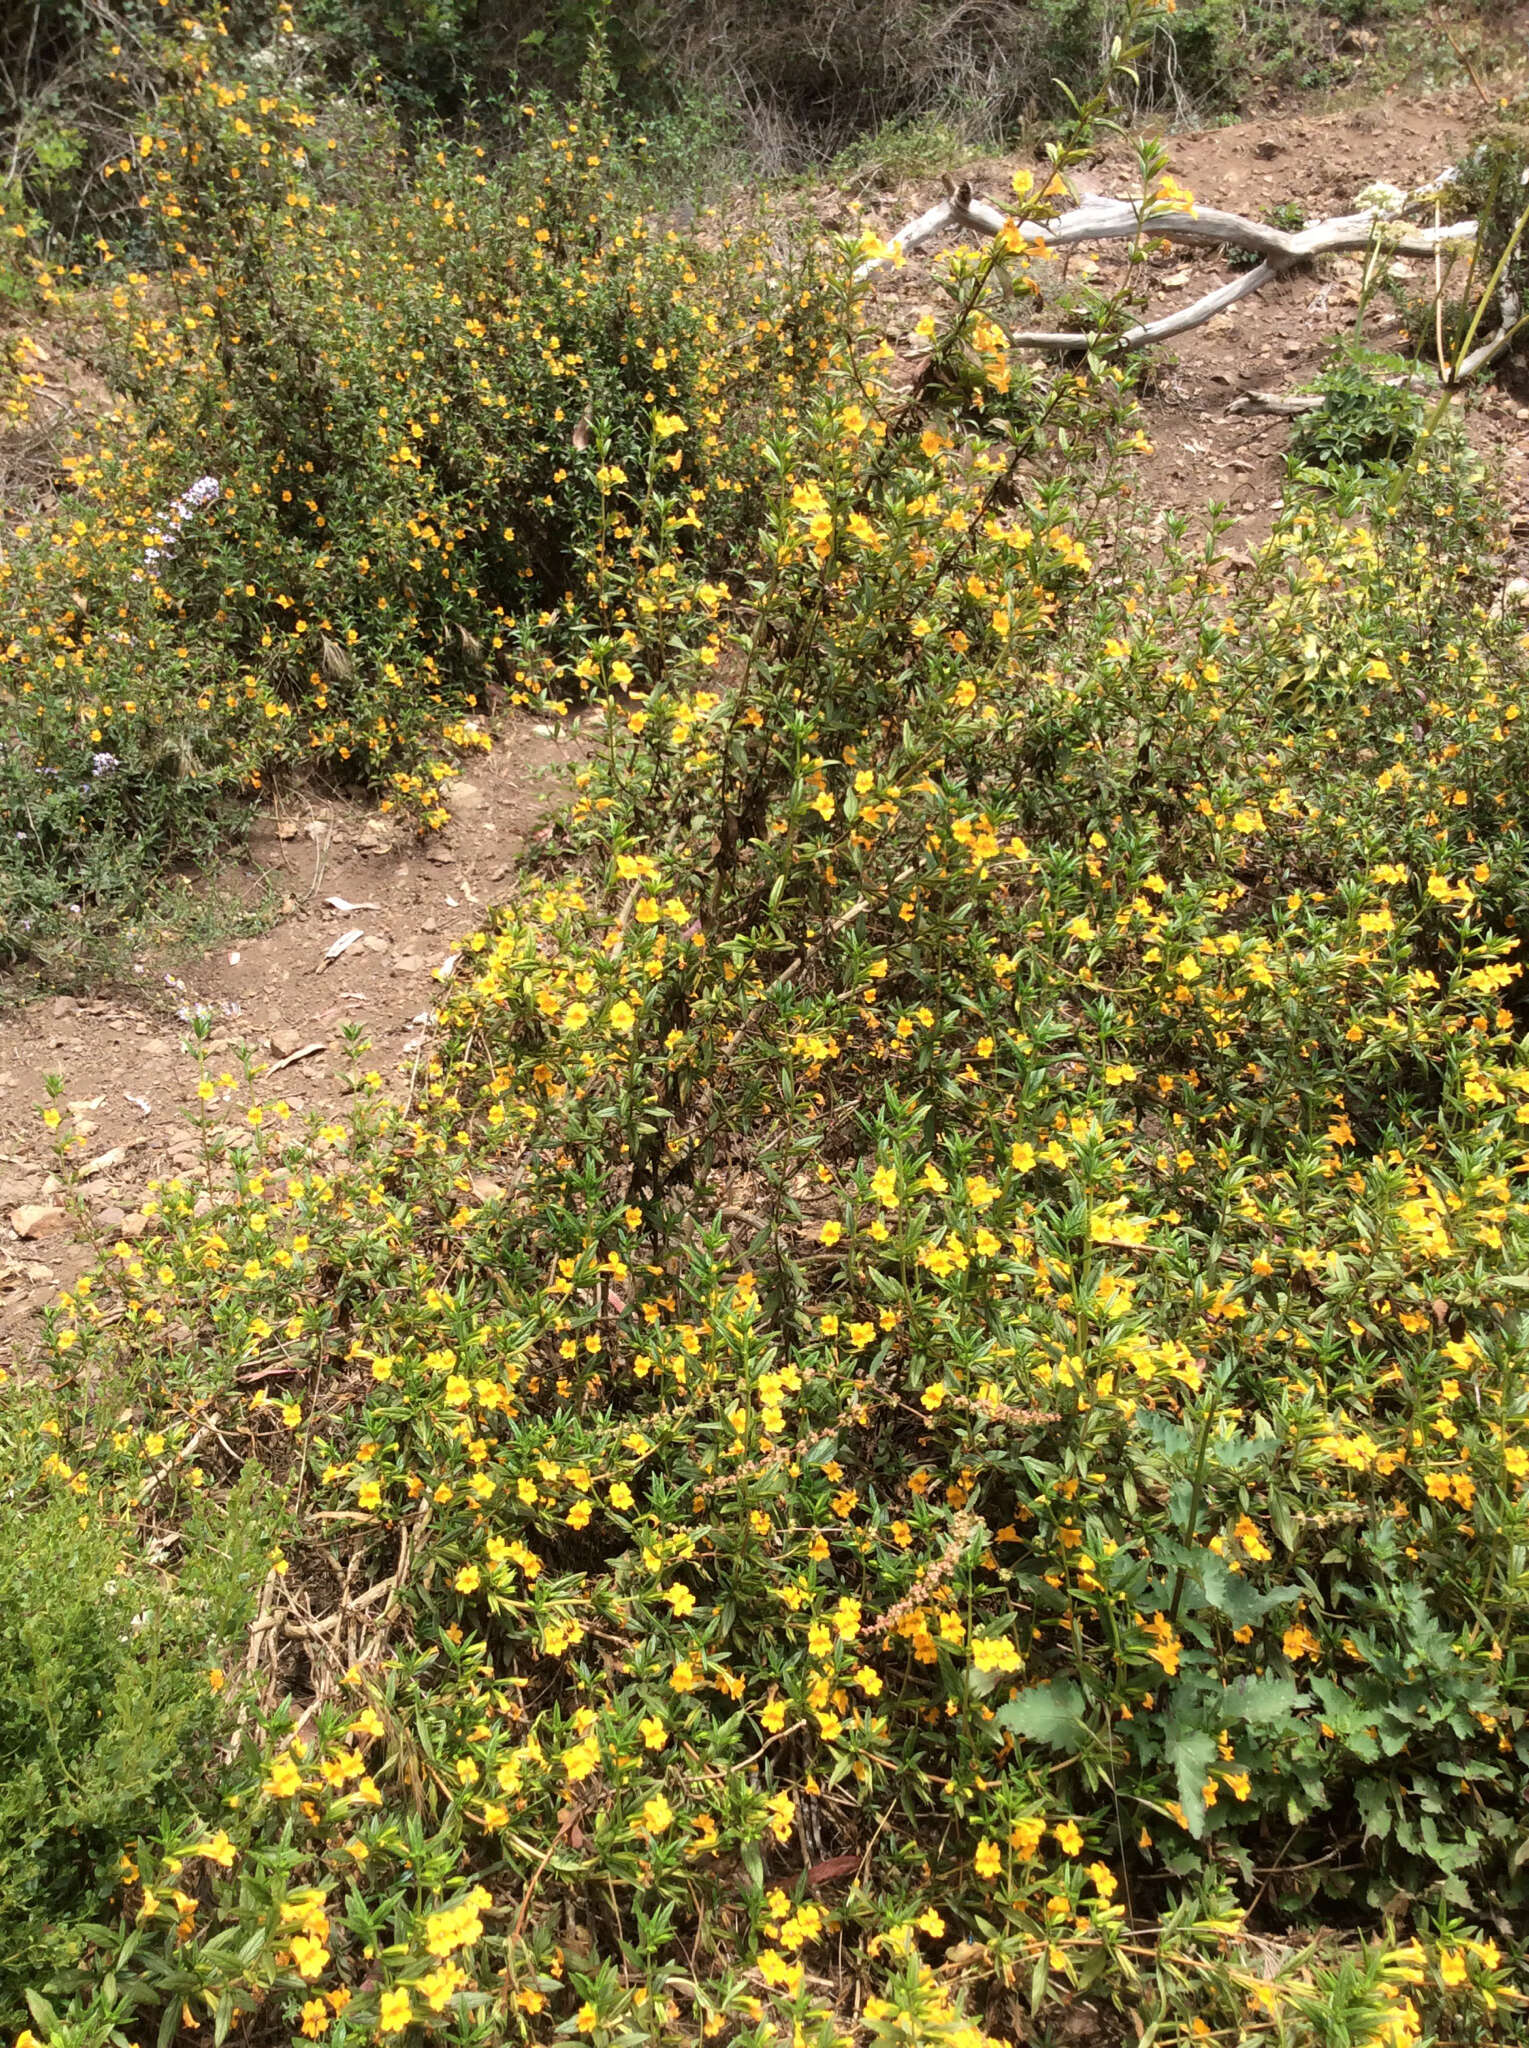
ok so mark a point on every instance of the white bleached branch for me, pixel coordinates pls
(1098, 219)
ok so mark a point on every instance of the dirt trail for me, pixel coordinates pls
(123, 1052)
(130, 1079)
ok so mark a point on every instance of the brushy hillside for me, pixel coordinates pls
(352, 470)
(916, 1433)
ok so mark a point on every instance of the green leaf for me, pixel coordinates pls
(1260, 1702)
(1051, 1713)
(1191, 1751)
(1229, 1593)
(1373, 1797)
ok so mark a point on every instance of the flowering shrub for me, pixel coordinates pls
(922, 1416)
(421, 392)
(918, 1419)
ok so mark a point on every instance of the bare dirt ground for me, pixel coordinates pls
(130, 1076)
(129, 1079)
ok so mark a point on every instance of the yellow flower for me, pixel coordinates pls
(283, 1778)
(394, 2010)
(1298, 1641)
(581, 1760)
(988, 1860)
(308, 1955)
(1069, 1837)
(657, 1814)
(621, 1016)
(1025, 1837)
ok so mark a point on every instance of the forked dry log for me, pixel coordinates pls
(1097, 219)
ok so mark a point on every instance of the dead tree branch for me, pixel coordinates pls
(1097, 219)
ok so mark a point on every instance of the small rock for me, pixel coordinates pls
(408, 963)
(158, 1048)
(37, 1219)
(441, 855)
(430, 925)
(64, 1006)
(375, 943)
(286, 1041)
(134, 1224)
(111, 1217)
(15, 1189)
(463, 796)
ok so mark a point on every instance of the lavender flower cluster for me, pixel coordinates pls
(163, 544)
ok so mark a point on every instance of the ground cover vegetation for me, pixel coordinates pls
(325, 351)
(916, 1430)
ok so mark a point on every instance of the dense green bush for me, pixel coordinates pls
(106, 1711)
(375, 411)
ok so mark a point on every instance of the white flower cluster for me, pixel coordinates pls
(163, 544)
